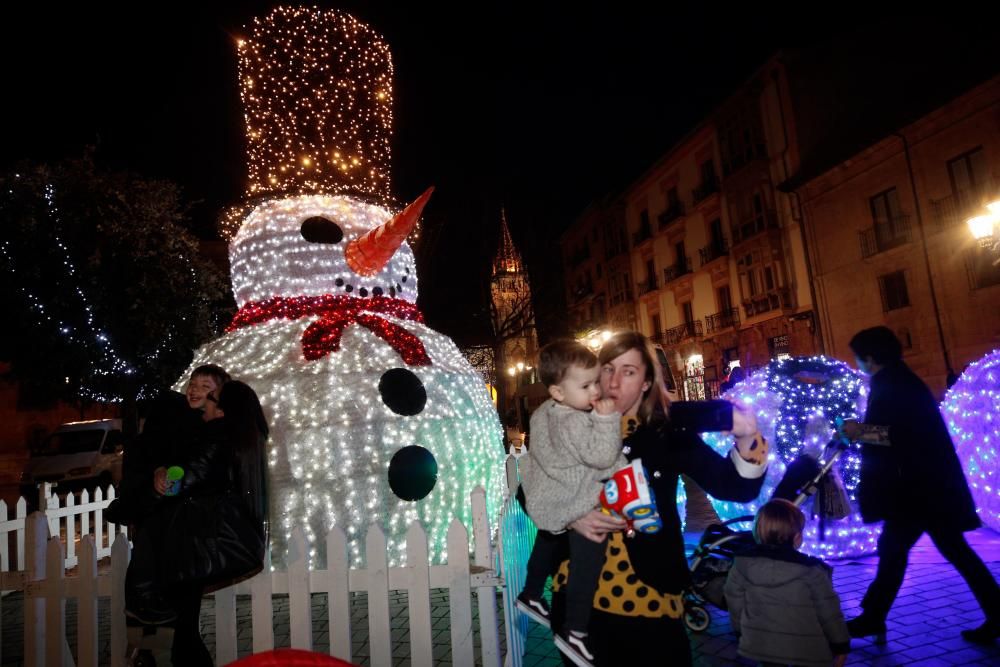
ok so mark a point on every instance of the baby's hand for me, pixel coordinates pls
(603, 406)
(851, 428)
(160, 480)
(744, 420)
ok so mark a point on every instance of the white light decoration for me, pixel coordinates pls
(319, 340)
(796, 401)
(971, 408)
(88, 338)
(332, 435)
(230, 219)
(316, 87)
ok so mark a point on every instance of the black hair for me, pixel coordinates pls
(879, 343)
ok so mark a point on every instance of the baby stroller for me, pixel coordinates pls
(718, 546)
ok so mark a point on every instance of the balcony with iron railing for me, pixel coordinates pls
(767, 301)
(647, 286)
(644, 233)
(621, 296)
(683, 332)
(885, 236)
(682, 267)
(722, 320)
(714, 250)
(955, 209)
(708, 187)
(736, 160)
(754, 225)
(658, 337)
(675, 211)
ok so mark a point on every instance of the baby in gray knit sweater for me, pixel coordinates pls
(575, 445)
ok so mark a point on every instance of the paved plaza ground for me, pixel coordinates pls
(933, 606)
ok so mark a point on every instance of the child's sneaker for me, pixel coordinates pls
(575, 647)
(536, 608)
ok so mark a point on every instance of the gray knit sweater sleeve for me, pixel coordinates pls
(571, 453)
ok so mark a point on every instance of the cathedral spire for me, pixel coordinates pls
(508, 259)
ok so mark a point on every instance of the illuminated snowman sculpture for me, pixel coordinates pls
(375, 417)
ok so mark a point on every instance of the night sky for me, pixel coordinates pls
(537, 107)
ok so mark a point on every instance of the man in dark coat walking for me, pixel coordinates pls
(911, 478)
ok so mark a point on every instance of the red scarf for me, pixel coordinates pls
(336, 313)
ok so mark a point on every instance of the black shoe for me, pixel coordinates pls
(987, 633)
(575, 647)
(537, 609)
(866, 626)
(152, 616)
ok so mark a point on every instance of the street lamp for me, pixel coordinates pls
(986, 228)
(594, 339)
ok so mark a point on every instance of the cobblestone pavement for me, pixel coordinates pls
(933, 606)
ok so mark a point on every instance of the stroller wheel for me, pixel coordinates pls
(696, 618)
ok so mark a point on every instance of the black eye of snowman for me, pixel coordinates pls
(402, 392)
(321, 230)
(413, 472)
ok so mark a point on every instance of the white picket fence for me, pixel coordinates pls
(46, 587)
(64, 517)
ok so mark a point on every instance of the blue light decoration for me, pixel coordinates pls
(971, 408)
(796, 401)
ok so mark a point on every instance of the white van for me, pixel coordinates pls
(87, 453)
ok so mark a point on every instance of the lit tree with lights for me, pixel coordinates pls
(103, 283)
(375, 417)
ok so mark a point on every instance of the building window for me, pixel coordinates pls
(673, 199)
(969, 177)
(757, 210)
(619, 284)
(885, 211)
(644, 218)
(741, 137)
(885, 206)
(724, 298)
(655, 323)
(707, 172)
(688, 312)
(893, 289)
(715, 233)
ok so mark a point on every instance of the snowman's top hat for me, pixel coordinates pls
(316, 86)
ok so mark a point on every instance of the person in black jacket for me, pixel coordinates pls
(172, 426)
(214, 530)
(911, 478)
(637, 616)
(218, 529)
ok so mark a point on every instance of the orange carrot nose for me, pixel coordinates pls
(366, 255)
